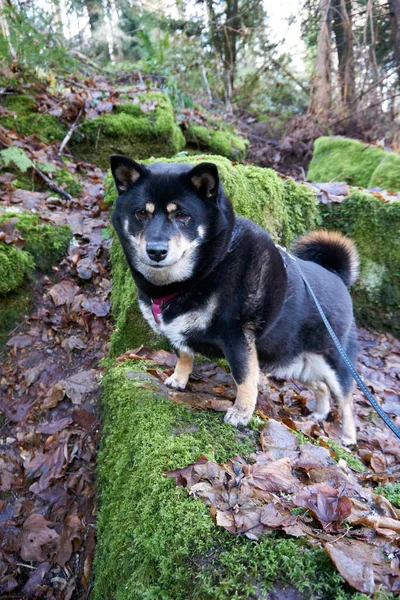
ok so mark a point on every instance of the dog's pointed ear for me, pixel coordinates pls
(205, 179)
(126, 172)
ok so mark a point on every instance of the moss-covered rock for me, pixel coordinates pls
(343, 159)
(154, 540)
(284, 208)
(217, 141)
(374, 225)
(15, 265)
(27, 121)
(45, 244)
(141, 129)
(387, 173)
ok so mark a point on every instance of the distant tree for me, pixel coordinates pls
(395, 19)
(95, 10)
(342, 28)
(321, 85)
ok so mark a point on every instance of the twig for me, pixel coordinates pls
(47, 181)
(85, 59)
(70, 132)
(77, 84)
(51, 184)
(26, 566)
(356, 112)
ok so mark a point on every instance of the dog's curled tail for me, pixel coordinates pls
(331, 250)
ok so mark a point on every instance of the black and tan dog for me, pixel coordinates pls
(217, 284)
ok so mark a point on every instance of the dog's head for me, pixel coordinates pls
(164, 213)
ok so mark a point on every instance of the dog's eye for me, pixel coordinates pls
(181, 216)
(141, 214)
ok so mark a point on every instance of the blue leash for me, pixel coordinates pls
(344, 356)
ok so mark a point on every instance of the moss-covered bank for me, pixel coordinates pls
(283, 207)
(44, 246)
(374, 225)
(343, 159)
(142, 128)
(154, 541)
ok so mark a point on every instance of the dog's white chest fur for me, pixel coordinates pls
(178, 330)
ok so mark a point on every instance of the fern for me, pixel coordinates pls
(17, 157)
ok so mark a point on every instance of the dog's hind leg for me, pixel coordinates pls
(323, 404)
(345, 402)
(243, 361)
(346, 406)
(179, 378)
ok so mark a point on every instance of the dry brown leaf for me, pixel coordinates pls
(38, 539)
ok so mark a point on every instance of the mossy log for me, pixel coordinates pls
(359, 164)
(284, 208)
(141, 129)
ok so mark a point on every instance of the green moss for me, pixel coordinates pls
(21, 104)
(154, 540)
(345, 454)
(342, 159)
(340, 451)
(11, 307)
(374, 225)
(27, 121)
(15, 265)
(142, 129)
(391, 492)
(45, 243)
(217, 141)
(46, 127)
(387, 173)
(71, 184)
(283, 207)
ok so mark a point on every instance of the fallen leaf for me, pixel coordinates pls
(38, 539)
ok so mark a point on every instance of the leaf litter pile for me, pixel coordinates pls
(50, 382)
(298, 482)
(301, 481)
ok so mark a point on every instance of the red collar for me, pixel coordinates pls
(157, 305)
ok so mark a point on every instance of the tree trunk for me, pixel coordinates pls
(231, 28)
(342, 27)
(322, 92)
(57, 16)
(96, 21)
(395, 17)
(5, 31)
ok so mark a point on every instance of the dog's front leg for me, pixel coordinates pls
(179, 378)
(241, 355)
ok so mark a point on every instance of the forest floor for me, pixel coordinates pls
(50, 388)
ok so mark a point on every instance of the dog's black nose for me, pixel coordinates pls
(157, 251)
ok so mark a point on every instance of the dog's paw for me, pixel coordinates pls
(317, 416)
(175, 383)
(349, 440)
(237, 417)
